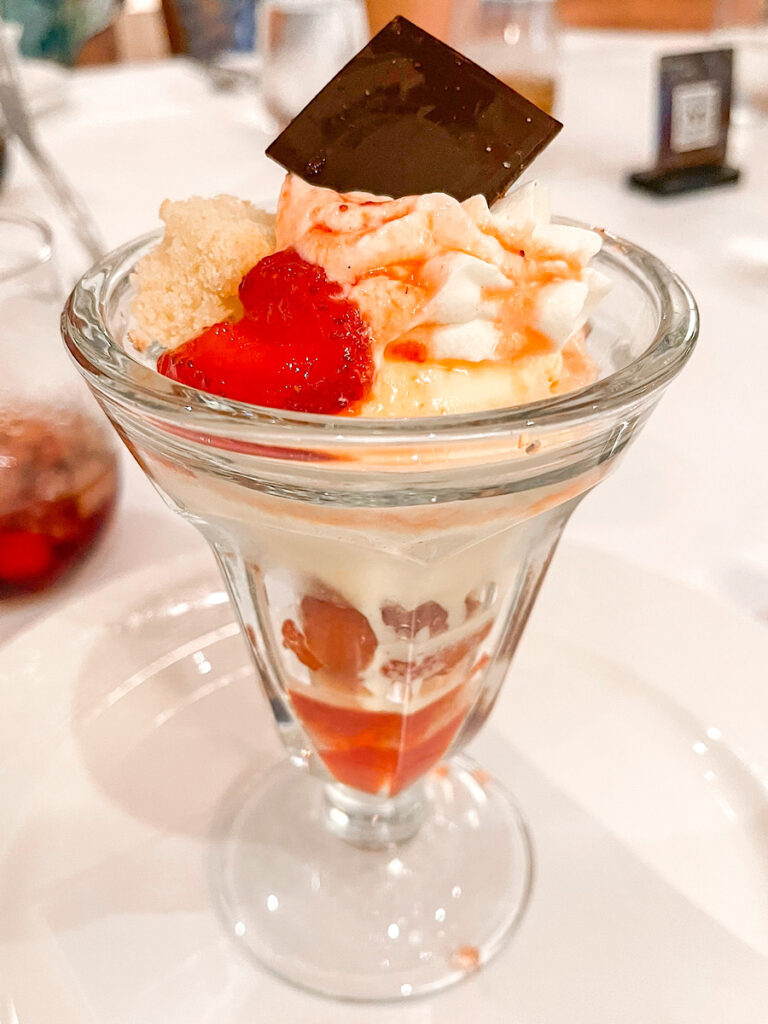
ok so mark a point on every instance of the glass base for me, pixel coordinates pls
(341, 918)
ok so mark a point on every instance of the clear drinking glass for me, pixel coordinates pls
(58, 470)
(303, 43)
(432, 15)
(743, 25)
(383, 572)
(516, 40)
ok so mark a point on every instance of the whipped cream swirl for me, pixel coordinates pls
(467, 282)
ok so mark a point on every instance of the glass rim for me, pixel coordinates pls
(113, 372)
(44, 252)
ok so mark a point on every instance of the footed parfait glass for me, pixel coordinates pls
(383, 573)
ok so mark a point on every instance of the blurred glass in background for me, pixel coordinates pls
(206, 28)
(58, 468)
(303, 43)
(743, 24)
(433, 15)
(516, 40)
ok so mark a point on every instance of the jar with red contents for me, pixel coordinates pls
(58, 468)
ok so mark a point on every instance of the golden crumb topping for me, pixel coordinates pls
(190, 280)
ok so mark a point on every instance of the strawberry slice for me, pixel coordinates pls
(24, 555)
(225, 359)
(334, 636)
(300, 344)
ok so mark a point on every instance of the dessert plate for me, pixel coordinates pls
(632, 731)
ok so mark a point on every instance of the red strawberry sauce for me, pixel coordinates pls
(300, 344)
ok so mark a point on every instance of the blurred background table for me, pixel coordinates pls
(690, 500)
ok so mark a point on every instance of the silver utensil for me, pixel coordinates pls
(18, 123)
(8, 1013)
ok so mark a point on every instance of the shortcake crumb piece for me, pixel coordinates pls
(190, 280)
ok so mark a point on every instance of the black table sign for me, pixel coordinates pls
(694, 116)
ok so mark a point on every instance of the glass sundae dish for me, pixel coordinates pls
(380, 412)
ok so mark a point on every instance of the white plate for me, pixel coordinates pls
(45, 85)
(633, 731)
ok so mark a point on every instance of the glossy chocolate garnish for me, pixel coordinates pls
(410, 115)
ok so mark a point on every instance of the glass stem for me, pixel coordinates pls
(370, 821)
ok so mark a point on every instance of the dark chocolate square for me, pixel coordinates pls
(410, 115)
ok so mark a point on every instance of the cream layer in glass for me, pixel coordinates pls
(383, 621)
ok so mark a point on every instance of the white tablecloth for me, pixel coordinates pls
(691, 498)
